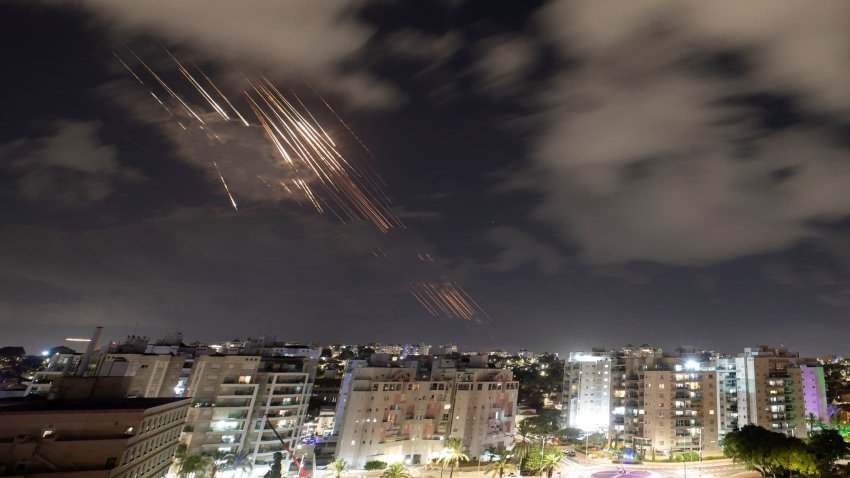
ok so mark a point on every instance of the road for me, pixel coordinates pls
(577, 468)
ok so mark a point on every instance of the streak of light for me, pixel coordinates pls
(425, 257)
(447, 299)
(162, 104)
(203, 92)
(73, 339)
(341, 121)
(166, 87)
(242, 118)
(121, 60)
(340, 186)
(332, 183)
(226, 189)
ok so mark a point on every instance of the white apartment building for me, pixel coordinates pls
(587, 390)
(57, 366)
(392, 415)
(727, 396)
(248, 404)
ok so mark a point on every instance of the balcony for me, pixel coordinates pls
(239, 392)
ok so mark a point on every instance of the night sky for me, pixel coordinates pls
(594, 173)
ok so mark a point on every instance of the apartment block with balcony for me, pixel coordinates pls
(587, 390)
(627, 372)
(483, 407)
(680, 409)
(57, 366)
(392, 413)
(770, 390)
(727, 396)
(239, 401)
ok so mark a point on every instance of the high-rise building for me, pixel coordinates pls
(248, 404)
(391, 412)
(680, 408)
(771, 390)
(727, 396)
(688, 402)
(627, 367)
(587, 390)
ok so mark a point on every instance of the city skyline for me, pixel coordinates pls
(677, 177)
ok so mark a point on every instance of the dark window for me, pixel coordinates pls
(110, 463)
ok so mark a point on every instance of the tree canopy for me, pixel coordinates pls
(772, 453)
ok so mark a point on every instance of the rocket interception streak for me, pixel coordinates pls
(315, 170)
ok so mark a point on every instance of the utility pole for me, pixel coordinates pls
(700, 452)
(586, 446)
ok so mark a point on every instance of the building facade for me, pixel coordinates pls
(391, 413)
(248, 404)
(680, 410)
(152, 375)
(130, 438)
(587, 391)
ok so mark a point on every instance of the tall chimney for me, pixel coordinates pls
(86, 358)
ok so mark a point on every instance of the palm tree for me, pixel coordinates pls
(197, 466)
(501, 467)
(551, 460)
(396, 470)
(520, 450)
(453, 454)
(336, 468)
(240, 462)
(220, 460)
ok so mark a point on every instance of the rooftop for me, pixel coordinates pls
(19, 405)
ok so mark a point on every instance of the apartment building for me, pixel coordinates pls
(393, 413)
(126, 438)
(587, 390)
(770, 390)
(57, 366)
(727, 396)
(690, 401)
(249, 404)
(151, 375)
(627, 367)
(483, 409)
(814, 392)
(680, 409)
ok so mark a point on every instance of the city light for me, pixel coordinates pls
(692, 365)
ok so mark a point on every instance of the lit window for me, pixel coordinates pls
(47, 434)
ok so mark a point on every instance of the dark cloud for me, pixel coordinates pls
(642, 156)
(235, 273)
(518, 248)
(69, 167)
(293, 40)
(503, 62)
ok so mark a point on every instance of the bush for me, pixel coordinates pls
(375, 465)
(687, 456)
